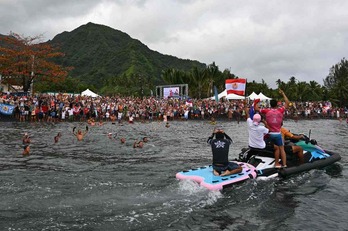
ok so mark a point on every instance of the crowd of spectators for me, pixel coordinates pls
(65, 107)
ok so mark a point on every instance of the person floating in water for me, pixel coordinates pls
(57, 137)
(26, 150)
(79, 134)
(138, 144)
(26, 142)
(26, 139)
(212, 120)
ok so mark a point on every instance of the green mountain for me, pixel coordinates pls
(98, 53)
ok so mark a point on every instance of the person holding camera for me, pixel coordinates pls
(220, 147)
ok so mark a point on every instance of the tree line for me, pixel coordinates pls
(24, 59)
(201, 82)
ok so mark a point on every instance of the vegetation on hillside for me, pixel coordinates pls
(102, 56)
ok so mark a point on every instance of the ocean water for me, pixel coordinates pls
(101, 184)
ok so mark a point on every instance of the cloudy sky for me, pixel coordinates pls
(259, 39)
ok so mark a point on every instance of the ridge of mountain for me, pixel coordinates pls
(98, 52)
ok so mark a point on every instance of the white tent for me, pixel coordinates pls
(263, 97)
(234, 96)
(89, 93)
(222, 94)
(229, 96)
(253, 96)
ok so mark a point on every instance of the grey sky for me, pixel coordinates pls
(259, 39)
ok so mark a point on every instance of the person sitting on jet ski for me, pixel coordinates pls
(220, 148)
(292, 148)
(257, 132)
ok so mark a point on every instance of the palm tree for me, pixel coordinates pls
(315, 90)
(197, 80)
(279, 82)
(303, 93)
(212, 73)
(263, 87)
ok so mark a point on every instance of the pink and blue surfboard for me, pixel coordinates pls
(204, 176)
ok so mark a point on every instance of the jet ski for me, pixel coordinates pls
(314, 157)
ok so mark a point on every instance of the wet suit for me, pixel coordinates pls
(220, 148)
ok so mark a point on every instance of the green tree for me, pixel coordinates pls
(302, 92)
(337, 83)
(315, 91)
(197, 80)
(212, 74)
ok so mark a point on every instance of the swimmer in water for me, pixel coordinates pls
(26, 150)
(167, 125)
(26, 139)
(91, 121)
(56, 138)
(145, 139)
(79, 134)
(212, 121)
(138, 144)
(113, 118)
(123, 140)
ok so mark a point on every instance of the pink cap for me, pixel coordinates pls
(256, 119)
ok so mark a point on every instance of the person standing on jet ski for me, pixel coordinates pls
(274, 119)
(257, 131)
(220, 148)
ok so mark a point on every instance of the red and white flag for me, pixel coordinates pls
(235, 86)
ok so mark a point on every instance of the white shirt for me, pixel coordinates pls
(256, 134)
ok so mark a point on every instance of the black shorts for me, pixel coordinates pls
(230, 166)
(288, 149)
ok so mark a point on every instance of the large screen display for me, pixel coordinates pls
(170, 91)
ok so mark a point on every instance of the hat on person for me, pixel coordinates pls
(256, 119)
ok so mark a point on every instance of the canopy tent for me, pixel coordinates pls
(222, 94)
(253, 96)
(228, 96)
(263, 97)
(89, 93)
(234, 96)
